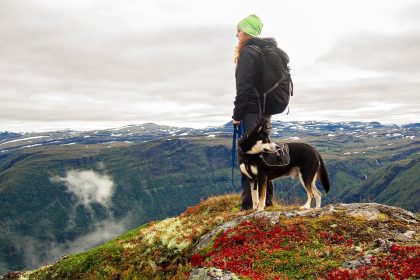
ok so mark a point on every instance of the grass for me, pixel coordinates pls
(157, 250)
(310, 247)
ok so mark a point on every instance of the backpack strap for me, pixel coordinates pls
(261, 108)
(266, 93)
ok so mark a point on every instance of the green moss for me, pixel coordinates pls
(300, 264)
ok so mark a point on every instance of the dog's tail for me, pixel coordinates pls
(323, 175)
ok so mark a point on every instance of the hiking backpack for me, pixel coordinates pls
(276, 80)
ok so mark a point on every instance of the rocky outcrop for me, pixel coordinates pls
(215, 241)
(388, 226)
(368, 211)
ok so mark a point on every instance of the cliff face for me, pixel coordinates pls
(214, 240)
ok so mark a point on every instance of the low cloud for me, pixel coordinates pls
(38, 252)
(88, 186)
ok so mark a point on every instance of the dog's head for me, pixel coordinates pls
(257, 141)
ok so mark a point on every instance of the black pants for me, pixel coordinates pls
(250, 121)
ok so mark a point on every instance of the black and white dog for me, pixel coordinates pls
(305, 163)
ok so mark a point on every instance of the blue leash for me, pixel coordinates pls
(237, 133)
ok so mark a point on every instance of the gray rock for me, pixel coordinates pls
(383, 245)
(212, 273)
(371, 210)
(368, 214)
(409, 234)
(365, 260)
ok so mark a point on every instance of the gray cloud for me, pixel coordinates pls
(410, 14)
(347, 95)
(97, 63)
(55, 67)
(386, 53)
(386, 87)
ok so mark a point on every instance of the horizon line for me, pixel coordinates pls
(51, 129)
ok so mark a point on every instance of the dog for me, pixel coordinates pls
(305, 163)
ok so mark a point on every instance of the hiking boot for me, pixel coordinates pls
(245, 207)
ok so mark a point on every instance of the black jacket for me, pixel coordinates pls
(248, 76)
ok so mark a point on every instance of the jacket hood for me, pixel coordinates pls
(262, 42)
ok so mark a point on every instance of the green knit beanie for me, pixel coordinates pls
(251, 25)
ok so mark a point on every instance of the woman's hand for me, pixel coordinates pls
(235, 122)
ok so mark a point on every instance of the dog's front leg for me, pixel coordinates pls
(254, 194)
(262, 196)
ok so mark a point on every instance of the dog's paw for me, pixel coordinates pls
(260, 209)
(304, 207)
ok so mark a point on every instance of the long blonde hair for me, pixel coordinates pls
(238, 49)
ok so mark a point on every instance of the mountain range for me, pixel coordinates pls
(65, 191)
(150, 131)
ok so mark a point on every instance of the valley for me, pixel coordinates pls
(63, 192)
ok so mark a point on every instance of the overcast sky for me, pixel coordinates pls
(87, 64)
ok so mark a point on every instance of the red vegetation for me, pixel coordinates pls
(260, 250)
(241, 248)
(196, 260)
(334, 238)
(403, 262)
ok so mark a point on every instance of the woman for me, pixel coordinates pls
(248, 76)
